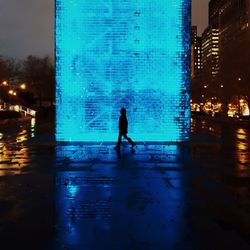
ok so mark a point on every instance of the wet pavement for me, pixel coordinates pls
(86, 196)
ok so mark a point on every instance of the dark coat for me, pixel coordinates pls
(123, 124)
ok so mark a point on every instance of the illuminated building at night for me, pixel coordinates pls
(196, 53)
(232, 19)
(214, 12)
(114, 54)
(210, 53)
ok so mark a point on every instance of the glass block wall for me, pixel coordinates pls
(122, 53)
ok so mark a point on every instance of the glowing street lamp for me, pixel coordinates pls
(12, 92)
(23, 86)
(5, 83)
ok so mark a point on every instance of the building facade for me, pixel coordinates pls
(210, 54)
(196, 53)
(234, 21)
(214, 12)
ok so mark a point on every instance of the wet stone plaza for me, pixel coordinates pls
(194, 195)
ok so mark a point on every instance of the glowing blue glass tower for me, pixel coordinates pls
(122, 53)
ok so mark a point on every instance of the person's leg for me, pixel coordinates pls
(129, 140)
(119, 141)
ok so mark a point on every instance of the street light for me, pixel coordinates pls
(5, 83)
(23, 86)
(12, 92)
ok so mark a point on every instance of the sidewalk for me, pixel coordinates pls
(86, 196)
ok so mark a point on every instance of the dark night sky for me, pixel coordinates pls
(26, 26)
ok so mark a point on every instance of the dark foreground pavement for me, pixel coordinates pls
(86, 196)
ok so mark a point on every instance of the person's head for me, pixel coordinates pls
(123, 111)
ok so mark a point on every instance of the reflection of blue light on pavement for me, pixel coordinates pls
(110, 200)
(72, 190)
(113, 54)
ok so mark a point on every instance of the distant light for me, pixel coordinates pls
(246, 111)
(239, 79)
(17, 108)
(221, 86)
(33, 122)
(23, 86)
(5, 83)
(32, 112)
(11, 92)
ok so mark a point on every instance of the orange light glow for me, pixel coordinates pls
(23, 86)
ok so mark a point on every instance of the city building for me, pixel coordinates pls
(210, 54)
(234, 20)
(214, 12)
(196, 53)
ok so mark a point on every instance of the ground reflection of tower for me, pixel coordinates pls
(120, 203)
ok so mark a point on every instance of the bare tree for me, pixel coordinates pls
(9, 68)
(40, 74)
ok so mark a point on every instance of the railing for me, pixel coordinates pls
(18, 108)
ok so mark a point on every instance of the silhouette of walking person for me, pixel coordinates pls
(123, 130)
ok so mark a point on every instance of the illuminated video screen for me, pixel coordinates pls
(122, 54)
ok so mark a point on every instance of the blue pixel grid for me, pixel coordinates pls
(122, 53)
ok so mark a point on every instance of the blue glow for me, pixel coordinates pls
(72, 190)
(122, 53)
